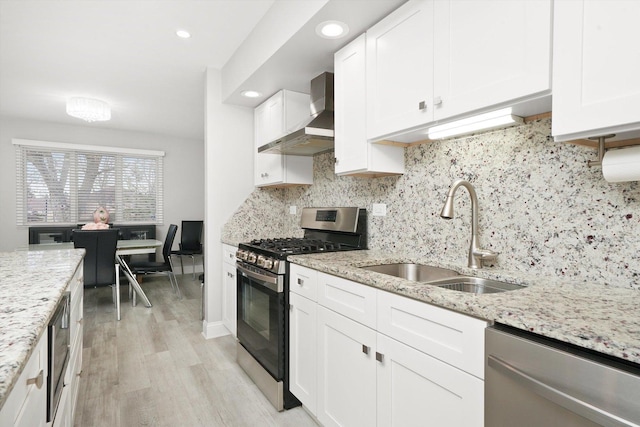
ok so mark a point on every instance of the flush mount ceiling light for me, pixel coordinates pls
(91, 110)
(493, 120)
(332, 29)
(183, 34)
(251, 94)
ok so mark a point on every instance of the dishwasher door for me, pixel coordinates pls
(534, 382)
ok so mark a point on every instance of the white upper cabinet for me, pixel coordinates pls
(596, 68)
(273, 119)
(430, 61)
(400, 70)
(490, 52)
(354, 154)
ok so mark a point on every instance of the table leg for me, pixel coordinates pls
(118, 290)
(132, 280)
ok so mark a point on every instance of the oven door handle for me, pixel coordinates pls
(273, 283)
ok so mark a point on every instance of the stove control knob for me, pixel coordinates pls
(241, 254)
(251, 258)
(268, 263)
(260, 261)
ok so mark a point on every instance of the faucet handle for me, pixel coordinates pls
(487, 254)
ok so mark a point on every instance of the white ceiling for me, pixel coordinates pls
(126, 53)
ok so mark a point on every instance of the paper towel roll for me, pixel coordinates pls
(622, 165)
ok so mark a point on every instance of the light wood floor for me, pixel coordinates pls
(154, 367)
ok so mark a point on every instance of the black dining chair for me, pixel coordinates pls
(165, 267)
(100, 265)
(190, 243)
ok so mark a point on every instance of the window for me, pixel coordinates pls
(64, 183)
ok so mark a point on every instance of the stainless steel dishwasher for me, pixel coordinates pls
(532, 381)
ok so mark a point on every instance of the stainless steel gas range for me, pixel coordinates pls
(263, 293)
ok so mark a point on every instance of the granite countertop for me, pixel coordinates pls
(591, 316)
(31, 284)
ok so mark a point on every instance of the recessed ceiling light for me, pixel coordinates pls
(251, 94)
(332, 29)
(183, 34)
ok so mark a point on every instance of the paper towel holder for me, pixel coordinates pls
(601, 149)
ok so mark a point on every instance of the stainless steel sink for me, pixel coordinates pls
(474, 285)
(415, 272)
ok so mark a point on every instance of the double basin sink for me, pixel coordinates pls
(442, 278)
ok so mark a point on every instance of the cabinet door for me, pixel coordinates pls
(346, 371)
(303, 350)
(350, 107)
(596, 89)
(268, 167)
(488, 52)
(415, 389)
(400, 70)
(229, 292)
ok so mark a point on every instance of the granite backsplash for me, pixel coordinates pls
(540, 206)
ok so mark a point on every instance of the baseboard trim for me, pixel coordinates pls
(214, 329)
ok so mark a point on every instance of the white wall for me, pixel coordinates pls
(229, 180)
(183, 167)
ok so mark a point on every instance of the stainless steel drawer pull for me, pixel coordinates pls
(300, 281)
(365, 349)
(422, 105)
(379, 357)
(38, 381)
(573, 404)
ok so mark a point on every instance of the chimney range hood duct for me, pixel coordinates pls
(314, 135)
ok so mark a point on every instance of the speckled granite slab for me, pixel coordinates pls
(575, 312)
(31, 284)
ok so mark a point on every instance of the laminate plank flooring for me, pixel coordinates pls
(154, 367)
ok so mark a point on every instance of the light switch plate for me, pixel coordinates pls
(293, 210)
(379, 209)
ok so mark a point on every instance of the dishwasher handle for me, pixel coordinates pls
(558, 397)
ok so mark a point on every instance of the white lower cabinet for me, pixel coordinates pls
(396, 362)
(26, 405)
(415, 389)
(346, 371)
(303, 314)
(229, 288)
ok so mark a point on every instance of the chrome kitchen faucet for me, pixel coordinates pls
(476, 254)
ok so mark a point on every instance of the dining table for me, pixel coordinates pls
(124, 248)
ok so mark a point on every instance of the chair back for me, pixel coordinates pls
(191, 236)
(168, 243)
(99, 260)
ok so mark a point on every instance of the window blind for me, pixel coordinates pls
(64, 183)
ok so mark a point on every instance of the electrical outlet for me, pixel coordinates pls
(293, 210)
(379, 209)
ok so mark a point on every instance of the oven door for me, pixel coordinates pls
(261, 312)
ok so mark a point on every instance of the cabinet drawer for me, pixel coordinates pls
(76, 316)
(454, 338)
(229, 254)
(76, 282)
(27, 403)
(303, 281)
(353, 300)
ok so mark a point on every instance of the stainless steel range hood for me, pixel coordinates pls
(315, 135)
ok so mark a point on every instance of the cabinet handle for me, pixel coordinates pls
(229, 274)
(437, 100)
(379, 357)
(336, 160)
(365, 349)
(37, 380)
(300, 282)
(231, 256)
(422, 105)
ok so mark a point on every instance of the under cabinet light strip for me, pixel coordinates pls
(493, 120)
